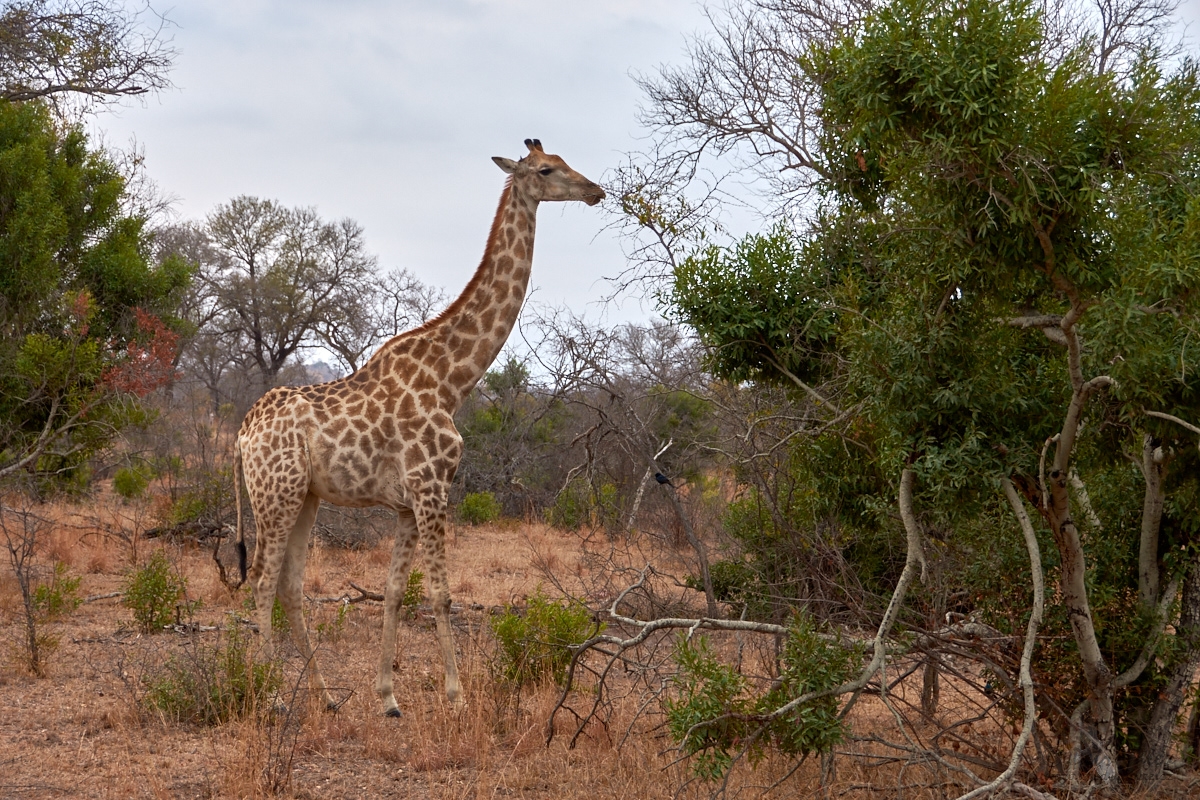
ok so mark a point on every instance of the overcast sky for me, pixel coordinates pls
(388, 111)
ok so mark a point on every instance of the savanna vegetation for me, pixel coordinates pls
(899, 496)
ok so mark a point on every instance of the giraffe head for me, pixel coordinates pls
(547, 177)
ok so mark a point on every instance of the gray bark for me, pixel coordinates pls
(1160, 729)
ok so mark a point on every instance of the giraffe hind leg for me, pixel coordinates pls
(269, 553)
(431, 518)
(397, 582)
(278, 507)
(291, 594)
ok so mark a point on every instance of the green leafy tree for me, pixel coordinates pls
(997, 286)
(82, 307)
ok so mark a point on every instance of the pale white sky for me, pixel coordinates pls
(388, 111)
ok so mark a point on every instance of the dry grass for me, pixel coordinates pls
(84, 732)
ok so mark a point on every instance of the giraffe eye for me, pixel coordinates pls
(545, 171)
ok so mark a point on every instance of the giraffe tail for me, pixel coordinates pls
(241, 536)
(241, 531)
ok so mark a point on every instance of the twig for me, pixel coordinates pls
(363, 594)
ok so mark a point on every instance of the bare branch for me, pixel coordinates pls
(83, 52)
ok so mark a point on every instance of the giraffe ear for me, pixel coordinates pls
(506, 164)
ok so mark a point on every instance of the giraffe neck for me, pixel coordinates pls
(477, 324)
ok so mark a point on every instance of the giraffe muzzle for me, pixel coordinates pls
(593, 195)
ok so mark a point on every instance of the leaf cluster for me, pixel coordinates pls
(716, 715)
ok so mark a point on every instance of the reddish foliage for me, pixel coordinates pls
(149, 360)
(80, 311)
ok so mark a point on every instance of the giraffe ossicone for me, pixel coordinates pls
(385, 435)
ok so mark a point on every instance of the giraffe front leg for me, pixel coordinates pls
(402, 553)
(433, 544)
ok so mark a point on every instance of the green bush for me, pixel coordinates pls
(280, 625)
(732, 581)
(155, 594)
(58, 597)
(711, 715)
(536, 643)
(213, 684)
(208, 494)
(479, 507)
(414, 592)
(331, 630)
(131, 482)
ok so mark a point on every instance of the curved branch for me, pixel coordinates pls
(1172, 418)
(810, 391)
(1031, 631)
(1160, 623)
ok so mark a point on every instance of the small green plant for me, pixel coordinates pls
(58, 597)
(131, 482)
(213, 684)
(714, 712)
(208, 492)
(414, 592)
(280, 626)
(155, 593)
(479, 507)
(331, 630)
(535, 644)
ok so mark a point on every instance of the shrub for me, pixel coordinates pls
(713, 713)
(155, 594)
(280, 624)
(212, 684)
(414, 592)
(331, 630)
(580, 504)
(58, 597)
(131, 482)
(208, 494)
(479, 507)
(536, 643)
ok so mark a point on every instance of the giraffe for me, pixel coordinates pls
(385, 435)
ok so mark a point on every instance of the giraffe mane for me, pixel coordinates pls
(472, 284)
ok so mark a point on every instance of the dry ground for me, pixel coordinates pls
(85, 731)
(82, 731)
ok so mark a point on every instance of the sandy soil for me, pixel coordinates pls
(82, 731)
(85, 731)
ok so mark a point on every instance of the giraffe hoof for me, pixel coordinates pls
(332, 706)
(394, 713)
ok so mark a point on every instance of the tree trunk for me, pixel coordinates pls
(1161, 728)
(931, 688)
(1074, 568)
(1075, 599)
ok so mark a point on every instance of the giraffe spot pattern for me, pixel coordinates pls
(385, 434)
